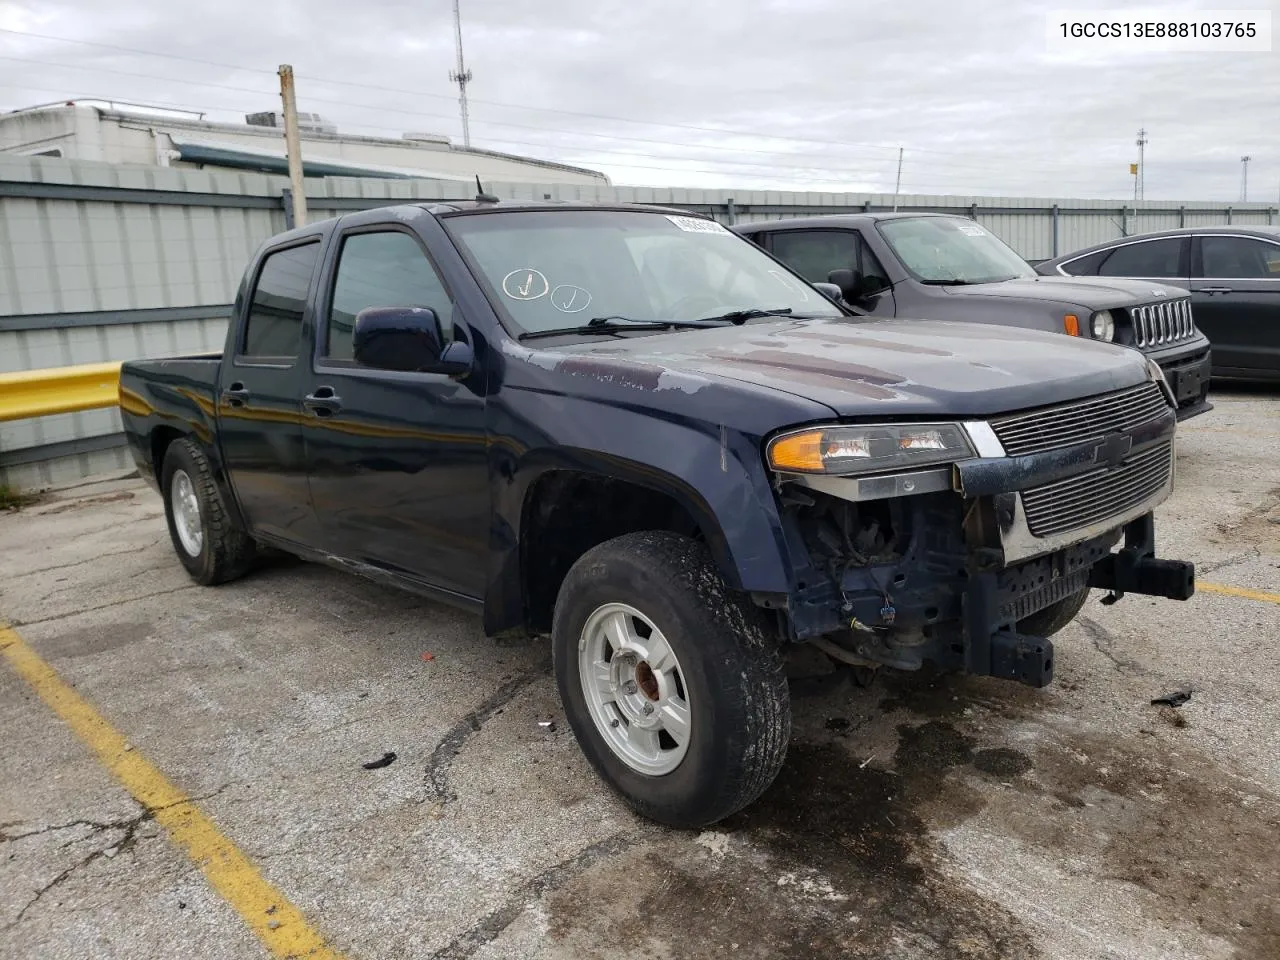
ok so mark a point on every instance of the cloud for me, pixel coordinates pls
(783, 94)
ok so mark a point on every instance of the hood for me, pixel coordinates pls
(876, 367)
(1092, 293)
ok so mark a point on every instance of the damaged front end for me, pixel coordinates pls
(949, 561)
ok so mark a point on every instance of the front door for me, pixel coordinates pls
(258, 389)
(397, 460)
(1235, 293)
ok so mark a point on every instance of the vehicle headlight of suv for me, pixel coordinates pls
(1102, 326)
(868, 448)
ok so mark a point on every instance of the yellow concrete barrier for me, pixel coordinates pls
(38, 393)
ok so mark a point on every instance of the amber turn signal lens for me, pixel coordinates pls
(799, 452)
(1071, 323)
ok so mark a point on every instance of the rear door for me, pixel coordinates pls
(258, 410)
(1235, 294)
(815, 253)
(396, 460)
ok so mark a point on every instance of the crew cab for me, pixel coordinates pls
(945, 267)
(632, 430)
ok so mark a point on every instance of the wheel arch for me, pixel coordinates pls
(725, 514)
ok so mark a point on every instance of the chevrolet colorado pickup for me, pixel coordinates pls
(633, 430)
(945, 267)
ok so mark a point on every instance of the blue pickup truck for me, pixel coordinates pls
(633, 430)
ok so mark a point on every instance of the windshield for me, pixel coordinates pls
(952, 250)
(549, 269)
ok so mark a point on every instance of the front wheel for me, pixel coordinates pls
(673, 687)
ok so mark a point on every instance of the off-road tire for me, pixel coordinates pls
(226, 551)
(731, 663)
(1047, 622)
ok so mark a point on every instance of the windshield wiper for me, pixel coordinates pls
(966, 283)
(742, 316)
(614, 325)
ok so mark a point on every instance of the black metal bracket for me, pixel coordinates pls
(1135, 569)
(1015, 656)
(993, 648)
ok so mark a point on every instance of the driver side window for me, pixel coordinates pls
(386, 269)
(815, 253)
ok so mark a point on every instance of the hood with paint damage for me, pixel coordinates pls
(863, 367)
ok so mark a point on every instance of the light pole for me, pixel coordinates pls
(461, 76)
(1141, 185)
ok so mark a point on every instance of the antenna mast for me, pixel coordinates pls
(461, 76)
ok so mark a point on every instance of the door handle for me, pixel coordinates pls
(1214, 290)
(235, 395)
(323, 402)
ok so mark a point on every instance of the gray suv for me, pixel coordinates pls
(943, 267)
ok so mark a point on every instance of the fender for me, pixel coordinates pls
(716, 475)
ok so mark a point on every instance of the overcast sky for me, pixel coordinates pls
(787, 94)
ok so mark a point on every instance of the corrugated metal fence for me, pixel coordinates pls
(101, 262)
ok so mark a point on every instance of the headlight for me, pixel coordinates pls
(1103, 327)
(868, 449)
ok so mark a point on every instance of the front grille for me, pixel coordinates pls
(1157, 324)
(1089, 497)
(1050, 428)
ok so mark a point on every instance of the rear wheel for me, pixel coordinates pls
(1047, 622)
(672, 685)
(209, 545)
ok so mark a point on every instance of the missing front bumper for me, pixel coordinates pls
(991, 644)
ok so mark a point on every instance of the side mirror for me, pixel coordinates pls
(829, 290)
(849, 282)
(408, 339)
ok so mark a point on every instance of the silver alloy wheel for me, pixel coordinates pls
(634, 688)
(186, 513)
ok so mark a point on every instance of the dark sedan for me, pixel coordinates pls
(1233, 274)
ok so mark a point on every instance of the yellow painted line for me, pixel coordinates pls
(1245, 592)
(275, 921)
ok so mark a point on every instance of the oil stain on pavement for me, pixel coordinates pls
(842, 858)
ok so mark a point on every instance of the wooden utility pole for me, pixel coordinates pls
(293, 145)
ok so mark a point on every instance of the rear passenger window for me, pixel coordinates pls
(279, 300)
(382, 270)
(1085, 266)
(1151, 258)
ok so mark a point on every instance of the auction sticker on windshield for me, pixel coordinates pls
(698, 225)
(970, 229)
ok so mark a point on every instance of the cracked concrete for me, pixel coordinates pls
(451, 743)
(1105, 642)
(921, 818)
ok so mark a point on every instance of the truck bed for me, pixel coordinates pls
(176, 394)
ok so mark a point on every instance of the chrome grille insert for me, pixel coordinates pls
(1050, 428)
(1091, 497)
(1156, 324)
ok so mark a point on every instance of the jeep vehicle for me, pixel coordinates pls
(632, 430)
(1233, 274)
(945, 267)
